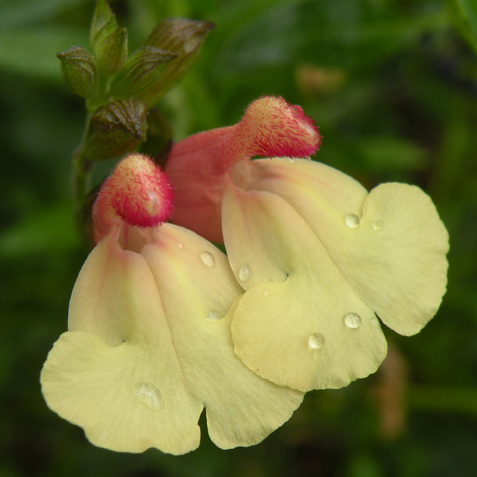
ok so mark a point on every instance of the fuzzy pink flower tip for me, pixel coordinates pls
(137, 193)
(199, 165)
(272, 127)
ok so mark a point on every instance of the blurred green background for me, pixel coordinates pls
(392, 84)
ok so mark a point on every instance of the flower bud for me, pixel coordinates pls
(79, 72)
(102, 15)
(143, 68)
(109, 42)
(183, 38)
(113, 51)
(116, 129)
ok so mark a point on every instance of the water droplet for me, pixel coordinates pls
(207, 258)
(153, 203)
(213, 316)
(180, 244)
(148, 394)
(352, 320)
(291, 160)
(374, 322)
(378, 225)
(316, 341)
(352, 221)
(266, 293)
(244, 273)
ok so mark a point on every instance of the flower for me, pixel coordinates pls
(149, 344)
(320, 258)
(199, 165)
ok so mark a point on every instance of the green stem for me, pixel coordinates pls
(82, 168)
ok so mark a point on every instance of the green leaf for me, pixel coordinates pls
(468, 11)
(338, 34)
(140, 73)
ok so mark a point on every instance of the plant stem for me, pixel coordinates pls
(82, 168)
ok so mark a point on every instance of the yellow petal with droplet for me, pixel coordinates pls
(120, 395)
(242, 408)
(290, 326)
(389, 244)
(396, 260)
(150, 346)
(127, 392)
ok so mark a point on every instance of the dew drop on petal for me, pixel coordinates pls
(213, 316)
(180, 244)
(316, 341)
(378, 225)
(266, 293)
(207, 258)
(352, 320)
(352, 221)
(374, 322)
(149, 395)
(244, 273)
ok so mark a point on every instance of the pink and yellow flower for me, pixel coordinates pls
(163, 324)
(149, 342)
(319, 258)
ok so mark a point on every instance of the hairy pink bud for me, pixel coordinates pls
(198, 165)
(271, 127)
(137, 193)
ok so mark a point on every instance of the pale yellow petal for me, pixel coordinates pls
(396, 257)
(300, 323)
(124, 397)
(94, 305)
(127, 396)
(151, 345)
(197, 289)
(390, 244)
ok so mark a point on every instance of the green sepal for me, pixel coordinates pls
(79, 72)
(115, 129)
(112, 52)
(102, 16)
(108, 40)
(159, 137)
(140, 73)
(182, 37)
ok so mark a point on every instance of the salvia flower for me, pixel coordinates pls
(319, 257)
(200, 165)
(149, 341)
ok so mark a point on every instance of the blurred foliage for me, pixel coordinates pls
(392, 85)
